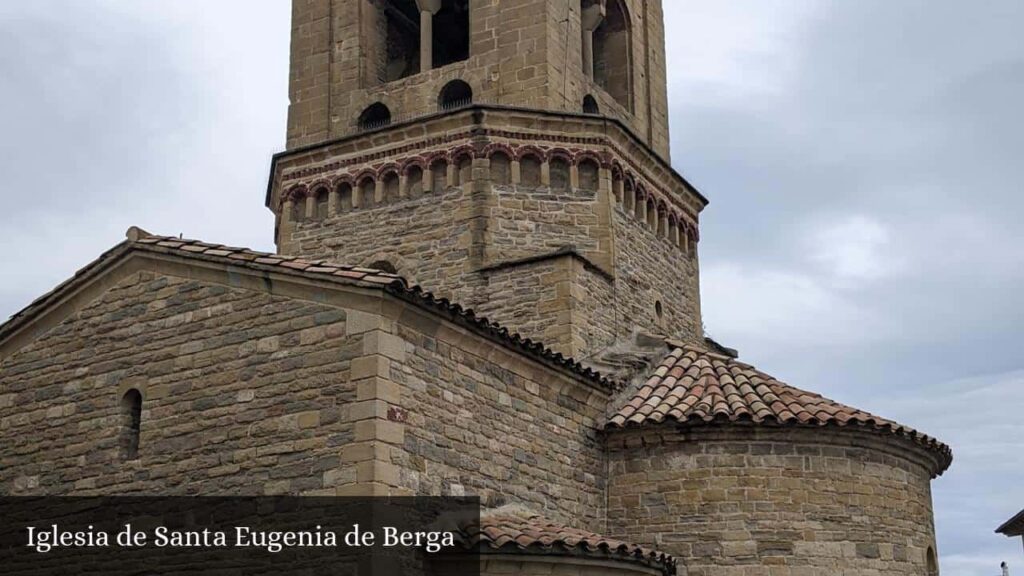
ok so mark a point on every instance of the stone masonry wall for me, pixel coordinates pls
(734, 502)
(243, 393)
(483, 421)
(649, 269)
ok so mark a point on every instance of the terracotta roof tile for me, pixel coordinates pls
(512, 529)
(695, 386)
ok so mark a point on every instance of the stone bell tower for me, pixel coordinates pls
(512, 156)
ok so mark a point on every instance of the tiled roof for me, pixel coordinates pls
(1014, 526)
(695, 386)
(141, 240)
(515, 530)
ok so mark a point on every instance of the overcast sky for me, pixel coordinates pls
(863, 159)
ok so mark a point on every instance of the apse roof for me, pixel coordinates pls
(692, 385)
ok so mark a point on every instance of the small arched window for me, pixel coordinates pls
(131, 422)
(439, 176)
(392, 187)
(590, 173)
(590, 105)
(529, 171)
(501, 169)
(298, 208)
(933, 563)
(384, 266)
(414, 181)
(559, 171)
(455, 94)
(322, 203)
(344, 197)
(375, 116)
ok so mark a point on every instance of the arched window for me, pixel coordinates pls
(589, 174)
(414, 181)
(455, 94)
(344, 197)
(612, 54)
(323, 197)
(590, 105)
(391, 187)
(131, 422)
(439, 176)
(529, 171)
(451, 33)
(628, 196)
(501, 169)
(384, 266)
(933, 563)
(375, 116)
(652, 215)
(367, 193)
(559, 170)
(298, 208)
(464, 170)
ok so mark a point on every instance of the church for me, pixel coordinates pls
(486, 283)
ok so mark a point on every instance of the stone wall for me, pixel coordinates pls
(652, 269)
(484, 421)
(242, 393)
(790, 501)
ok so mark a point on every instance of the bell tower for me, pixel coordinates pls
(512, 156)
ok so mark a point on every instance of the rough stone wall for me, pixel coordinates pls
(243, 393)
(534, 298)
(426, 239)
(487, 422)
(650, 269)
(734, 502)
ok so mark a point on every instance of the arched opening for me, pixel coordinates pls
(375, 116)
(414, 181)
(933, 562)
(652, 215)
(451, 33)
(612, 65)
(298, 208)
(384, 266)
(501, 169)
(439, 176)
(323, 201)
(628, 196)
(659, 314)
(455, 94)
(398, 25)
(559, 174)
(464, 170)
(589, 174)
(131, 423)
(590, 105)
(529, 171)
(367, 193)
(392, 187)
(639, 206)
(344, 197)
